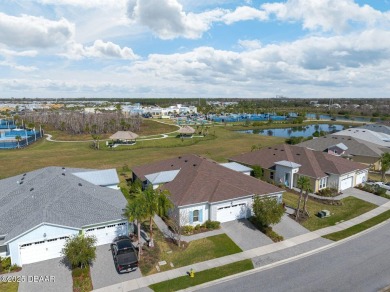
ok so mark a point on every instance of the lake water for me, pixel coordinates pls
(299, 131)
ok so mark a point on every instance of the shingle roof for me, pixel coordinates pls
(313, 163)
(203, 180)
(378, 138)
(355, 146)
(382, 128)
(46, 195)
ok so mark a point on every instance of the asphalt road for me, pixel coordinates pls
(361, 264)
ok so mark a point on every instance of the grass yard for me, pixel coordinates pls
(197, 251)
(44, 153)
(351, 207)
(203, 276)
(9, 286)
(359, 227)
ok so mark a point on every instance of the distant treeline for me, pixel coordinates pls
(84, 123)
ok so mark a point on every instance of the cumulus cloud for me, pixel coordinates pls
(100, 49)
(11, 53)
(17, 67)
(326, 15)
(168, 20)
(28, 31)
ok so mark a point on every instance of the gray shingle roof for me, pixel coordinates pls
(377, 128)
(355, 146)
(46, 195)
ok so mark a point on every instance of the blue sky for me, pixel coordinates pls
(186, 48)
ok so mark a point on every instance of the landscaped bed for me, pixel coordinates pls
(195, 251)
(350, 208)
(9, 286)
(359, 227)
(203, 276)
(82, 281)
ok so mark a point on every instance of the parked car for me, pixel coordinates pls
(384, 185)
(124, 254)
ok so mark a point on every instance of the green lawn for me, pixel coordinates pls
(44, 153)
(359, 227)
(197, 251)
(9, 286)
(351, 207)
(203, 276)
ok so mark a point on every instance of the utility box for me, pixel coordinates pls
(323, 213)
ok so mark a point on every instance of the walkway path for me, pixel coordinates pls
(249, 254)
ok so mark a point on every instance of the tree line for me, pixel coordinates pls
(76, 123)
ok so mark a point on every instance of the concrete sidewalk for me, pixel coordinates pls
(249, 254)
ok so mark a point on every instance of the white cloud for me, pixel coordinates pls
(168, 20)
(100, 49)
(326, 15)
(250, 44)
(29, 31)
(17, 67)
(11, 53)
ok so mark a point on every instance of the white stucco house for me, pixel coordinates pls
(42, 208)
(284, 164)
(202, 189)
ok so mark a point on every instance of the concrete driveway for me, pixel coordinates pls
(58, 276)
(289, 228)
(365, 196)
(244, 234)
(103, 271)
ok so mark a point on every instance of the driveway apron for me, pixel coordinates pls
(103, 270)
(244, 234)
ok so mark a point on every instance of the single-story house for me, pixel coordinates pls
(378, 127)
(202, 189)
(40, 209)
(354, 149)
(283, 164)
(381, 139)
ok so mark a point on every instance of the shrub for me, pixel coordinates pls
(188, 229)
(6, 263)
(212, 224)
(197, 227)
(78, 272)
(327, 192)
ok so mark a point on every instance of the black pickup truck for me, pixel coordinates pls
(124, 254)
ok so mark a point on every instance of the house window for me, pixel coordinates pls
(271, 175)
(195, 215)
(323, 182)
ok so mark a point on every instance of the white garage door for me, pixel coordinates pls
(360, 178)
(346, 183)
(106, 234)
(42, 250)
(230, 213)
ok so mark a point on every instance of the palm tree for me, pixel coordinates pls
(303, 184)
(156, 201)
(385, 164)
(18, 138)
(136, 211)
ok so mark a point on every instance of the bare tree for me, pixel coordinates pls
(178, 219)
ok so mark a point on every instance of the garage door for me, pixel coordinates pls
(230, 213)
(346, 183)
(106, 234)
(360, 178)
(42, 250)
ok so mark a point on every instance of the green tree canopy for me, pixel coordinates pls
(385, 164)
(267, 210)
(257, 171)
(80, 250)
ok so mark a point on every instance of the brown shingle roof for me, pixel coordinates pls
(203, 180)
(314, 163)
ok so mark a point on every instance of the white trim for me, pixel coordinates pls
(39, 225)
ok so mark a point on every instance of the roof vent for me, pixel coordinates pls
(274, 154)
(31, 189)
(63, 174)
(194, 165)
(179, 157)
(269, 147)
(80, 184)
(186, 160)
(281, 149)
(24, 174)
(298, 154)
(171, 165)
(63, 168)
(21, 183)
(22, 178)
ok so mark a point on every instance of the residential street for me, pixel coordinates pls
(361, 264)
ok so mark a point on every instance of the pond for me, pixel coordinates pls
(299, 131)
